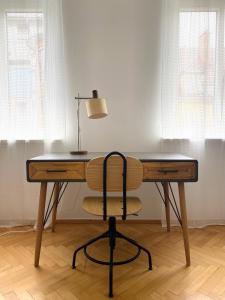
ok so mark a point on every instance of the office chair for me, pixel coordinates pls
(113, 173)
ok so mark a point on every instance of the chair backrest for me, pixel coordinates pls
(94, 174)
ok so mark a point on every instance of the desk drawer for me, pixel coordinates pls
(51, 171)
(171, 171)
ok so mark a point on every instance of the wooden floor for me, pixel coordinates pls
(170, 279)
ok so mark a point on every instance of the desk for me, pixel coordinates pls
(158, 167)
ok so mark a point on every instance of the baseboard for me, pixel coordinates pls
(198, 223)
(99, 221)
(191, 223)
(15, 223)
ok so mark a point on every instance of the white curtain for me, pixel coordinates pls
(193, 85)
(32, 79)
(193, 116)
(33, 98)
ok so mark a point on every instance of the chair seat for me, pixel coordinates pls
(94, 205)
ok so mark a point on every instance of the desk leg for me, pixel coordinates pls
(54, 209)
(40, 221)
(167, 204)
(184, 222)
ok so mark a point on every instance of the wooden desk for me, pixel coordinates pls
(158, 167)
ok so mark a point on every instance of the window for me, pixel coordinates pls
(197, 56)
(25, 60)
(198, 66)
(194, 97)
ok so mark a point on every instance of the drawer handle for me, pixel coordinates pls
(56, 171)
(168, 171)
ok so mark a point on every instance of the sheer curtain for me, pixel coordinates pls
(33, 98)
(193, 99)
(32, 89)
(193, 115)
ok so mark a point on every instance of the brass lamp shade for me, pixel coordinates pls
(96, 108)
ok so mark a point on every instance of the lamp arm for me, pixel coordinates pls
(78, 98)
(78, 119)
(94, 95)
(82, 98)
(78, 124)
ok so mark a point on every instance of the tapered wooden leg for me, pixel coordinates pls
(184, 222)
(167, 204)
(54, 210)
(40, 220)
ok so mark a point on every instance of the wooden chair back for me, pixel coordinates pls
(94, 174)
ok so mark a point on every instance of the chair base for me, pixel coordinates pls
(112, 234)
(114, 263)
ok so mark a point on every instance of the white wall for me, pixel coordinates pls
(113, 46)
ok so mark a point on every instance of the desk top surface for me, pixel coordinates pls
(143, 156)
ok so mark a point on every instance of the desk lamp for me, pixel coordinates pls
(96, 109)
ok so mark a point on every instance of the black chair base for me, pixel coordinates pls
(112, 234)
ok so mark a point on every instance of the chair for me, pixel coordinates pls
(113, 173)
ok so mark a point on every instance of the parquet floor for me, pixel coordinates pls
(170, 280)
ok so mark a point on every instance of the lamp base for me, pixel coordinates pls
(81, 152)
